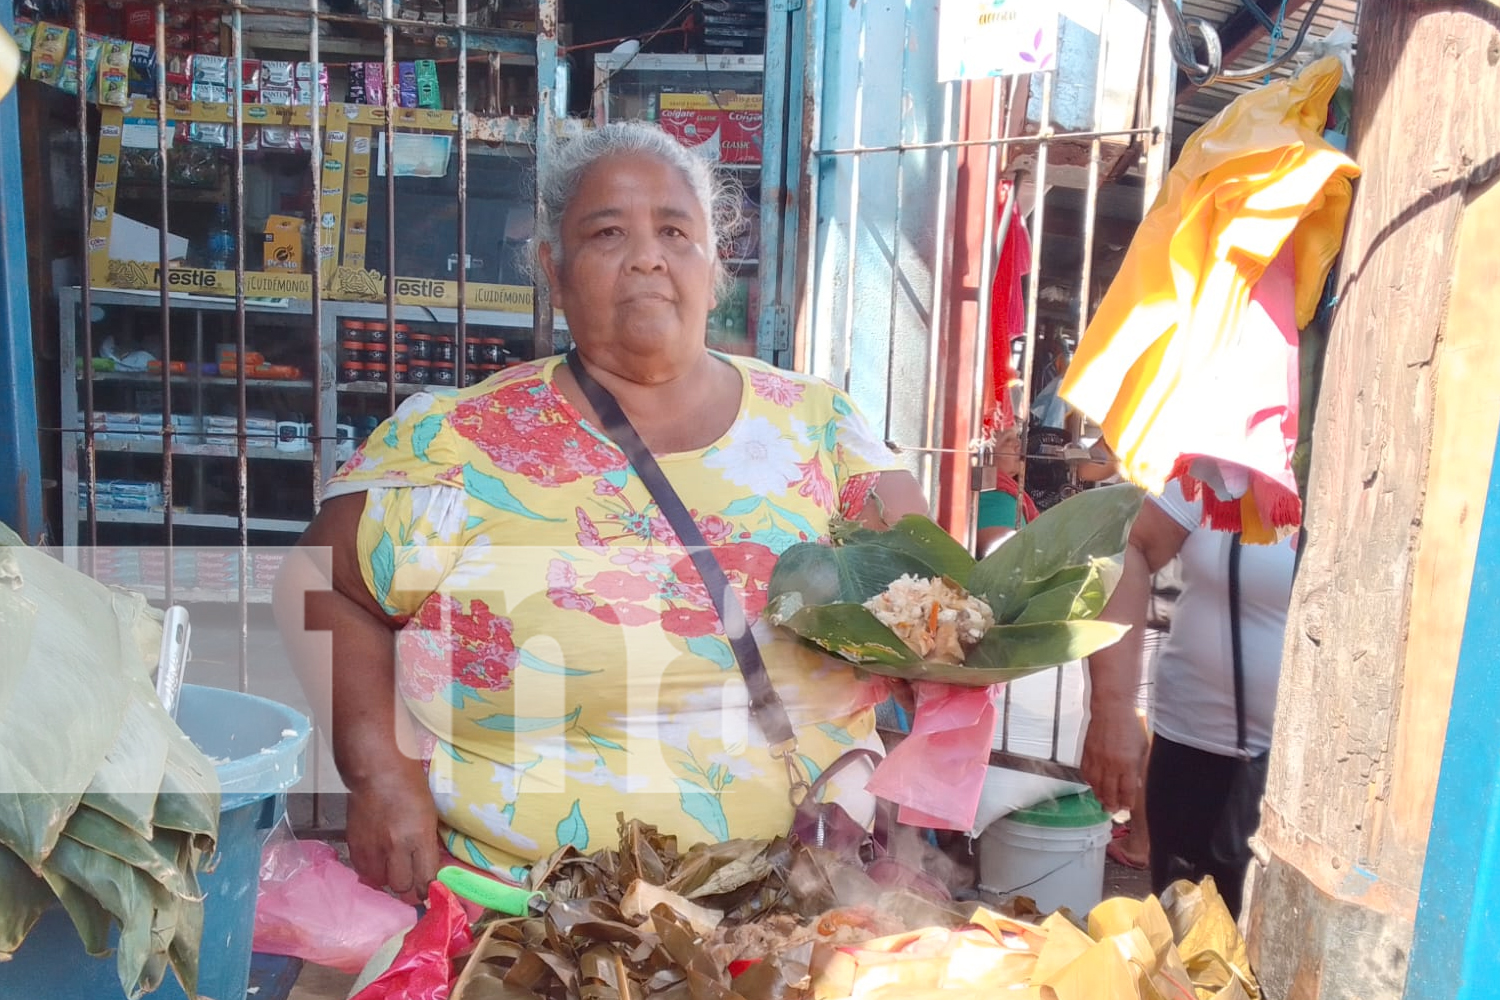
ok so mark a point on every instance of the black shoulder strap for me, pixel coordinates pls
(1235, 642)
(765, 703)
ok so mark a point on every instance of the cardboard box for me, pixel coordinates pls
(723, 127)
(283, 249)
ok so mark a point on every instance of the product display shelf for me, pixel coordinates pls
(280, 322)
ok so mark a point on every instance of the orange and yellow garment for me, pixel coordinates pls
(1156, 366)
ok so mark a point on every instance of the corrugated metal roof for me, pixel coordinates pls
(1208, 101)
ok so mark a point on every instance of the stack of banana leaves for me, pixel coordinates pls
(106, 808)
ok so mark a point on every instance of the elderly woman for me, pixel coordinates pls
(498, 565)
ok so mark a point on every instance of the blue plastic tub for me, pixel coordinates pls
(261, 743)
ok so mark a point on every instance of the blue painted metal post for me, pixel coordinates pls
(1456, 948)
(20, 453)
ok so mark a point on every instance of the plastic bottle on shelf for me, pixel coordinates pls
(221, 241)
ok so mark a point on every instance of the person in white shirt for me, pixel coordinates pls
(1207, 763)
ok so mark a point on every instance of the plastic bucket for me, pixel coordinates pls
(1052, 852)
(260, 744)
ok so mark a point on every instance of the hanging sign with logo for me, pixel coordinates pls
(978, 39)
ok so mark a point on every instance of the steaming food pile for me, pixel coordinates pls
(758, 920)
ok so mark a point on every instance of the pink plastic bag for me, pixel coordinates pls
(313, 907)
(951, 735)
(423, 968)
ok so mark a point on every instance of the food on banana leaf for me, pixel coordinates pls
(1044, 587)
(936, 618)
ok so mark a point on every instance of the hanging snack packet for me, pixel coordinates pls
(356, 91)
(179, 76)
(82, 62)
(428, 93)
(375, 83)
(406, 96)
(25, 34)
(312, 92)
(49, 53)
(210, 83)
(142, 70)
(278, 85)
(250, 94)
(114, 73)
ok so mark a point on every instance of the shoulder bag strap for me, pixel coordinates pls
(765, 703)
(1235, 643)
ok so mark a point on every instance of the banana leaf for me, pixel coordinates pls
(125, 894)
(128, 779)
(189, 797)
(63, 693)
(101, 794)
(1046, 586)
(89, 918)
(156, 857)
(1091, 525)
(24, 896)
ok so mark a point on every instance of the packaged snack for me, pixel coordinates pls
(210, 84)
(25, 34)
(114, 73)
(81, 64)
(142, 70)
(179, 19)
(374, 83)
(356, 91)
(49, 52)
(140, 23)
(309, 91)
(428, 93)
(278, 85)
(406, 79)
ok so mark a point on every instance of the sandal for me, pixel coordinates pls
(1120, 830)
(1116, 853)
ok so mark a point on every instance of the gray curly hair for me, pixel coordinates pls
(718, 196)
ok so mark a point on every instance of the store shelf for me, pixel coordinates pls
(379, 388)
(195, 519)
(192, 595)
(152, 378)
(152, 446)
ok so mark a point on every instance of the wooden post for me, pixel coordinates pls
(1404, 430)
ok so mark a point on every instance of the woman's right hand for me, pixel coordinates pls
(393, 832)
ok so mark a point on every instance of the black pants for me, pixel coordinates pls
(1202, 808)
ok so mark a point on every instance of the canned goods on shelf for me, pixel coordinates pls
(492, 351)
(420, 346)
(373, 373)
(401, 371)
(351, 371)
(377, 354)
(443, 373)
(443, 350)
(419, 372)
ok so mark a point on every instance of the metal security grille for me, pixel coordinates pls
(910, 188)
(270, 219)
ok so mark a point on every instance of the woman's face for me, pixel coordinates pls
(636, 272)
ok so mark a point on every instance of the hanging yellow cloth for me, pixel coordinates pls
(1255, 180)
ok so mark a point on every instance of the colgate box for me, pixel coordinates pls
(727, 126)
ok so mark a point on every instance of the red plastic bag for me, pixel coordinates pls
(423, 968)
(313, 907)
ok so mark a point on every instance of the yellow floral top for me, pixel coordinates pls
(559, 648)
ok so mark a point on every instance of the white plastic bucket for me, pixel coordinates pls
(1056, 865)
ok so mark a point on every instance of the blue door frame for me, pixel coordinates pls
(1456, 948)
(20, 454)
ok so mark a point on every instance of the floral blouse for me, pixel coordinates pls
(559, 649)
